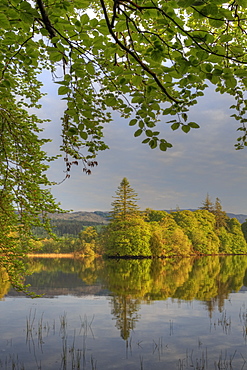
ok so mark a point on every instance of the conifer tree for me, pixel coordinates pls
(207, 204)
(220, 216)
(125, 203)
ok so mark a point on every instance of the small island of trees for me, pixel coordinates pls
(161, 234)
(131, 233)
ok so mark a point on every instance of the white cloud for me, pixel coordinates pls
(202, 161)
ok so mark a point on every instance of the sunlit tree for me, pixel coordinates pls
(220, 215)
(125, 204)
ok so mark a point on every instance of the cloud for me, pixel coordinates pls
(200, 162)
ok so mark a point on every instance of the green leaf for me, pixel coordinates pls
(216, 23)
(145, 141)
(193, 125)
(186, 128)
(93, 22)
(120, 26)
(54, 40)
(133, 122)
(137, 80)
(138, 133)
(44, 32)
(137, 99)
(141, 124)
(84, 19)
(167, 111)
(24, 5)
(184, 116)
(163, 146)
(241, 72)
(72, 131)
(217, 72)
(175, 126)
(56, 56)
(153, 144)
(90, 68)
(231, 82)
(111, 101)
(155, 106)
(83, 135)
(226, 38)
(149, 133)
(63, 90)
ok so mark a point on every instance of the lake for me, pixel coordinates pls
(127, 314)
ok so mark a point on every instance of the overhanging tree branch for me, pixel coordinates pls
(135, 56)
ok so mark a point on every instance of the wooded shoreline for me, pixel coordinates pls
(76, 256)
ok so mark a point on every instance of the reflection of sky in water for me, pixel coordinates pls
(167, 335)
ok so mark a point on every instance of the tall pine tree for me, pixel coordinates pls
(125, 203)
(207, 204)
(220, 215)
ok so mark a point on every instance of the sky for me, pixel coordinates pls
(200, 162)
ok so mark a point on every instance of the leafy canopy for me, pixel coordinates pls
(147, 60)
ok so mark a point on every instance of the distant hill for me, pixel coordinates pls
(100, 217)
(65, 224)
(97, 217)
(241, 218)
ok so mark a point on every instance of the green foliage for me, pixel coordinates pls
(238, 241)
(125, 203)
(60, 245)
(216, 208)
(127, 233)
(152, 215)
(88, 235)
(89, 241)
(160, 234)
(127, 238)
(220, 216)
(168, 238)
(225, 240)
(24, 199)
(65, 227)
(244, 229)
(199, 227)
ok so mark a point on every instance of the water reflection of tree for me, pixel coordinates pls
(50, 271)
(136, 281)
(125, 311)
(4, 283)
(207, 279)
(212, 279)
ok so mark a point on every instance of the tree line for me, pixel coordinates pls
(153, 233)
(68, 228)
(158, 233)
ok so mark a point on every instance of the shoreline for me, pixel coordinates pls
(51, 255)
(126, 257)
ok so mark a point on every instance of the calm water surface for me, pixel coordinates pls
(149, 314)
